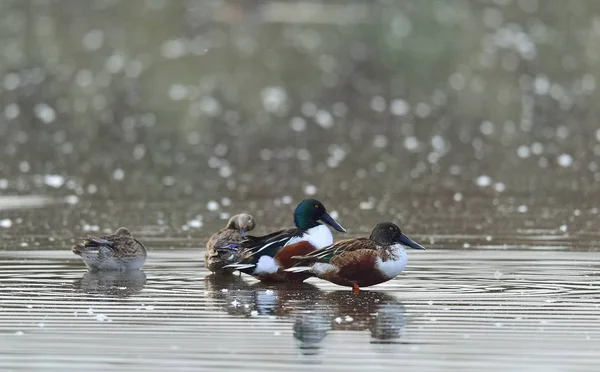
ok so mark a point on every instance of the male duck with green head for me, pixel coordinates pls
(266, 257)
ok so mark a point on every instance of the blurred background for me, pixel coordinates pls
(449, 117)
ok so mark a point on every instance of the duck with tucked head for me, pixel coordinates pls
(223, 247)
(119, 251)
(360, 262)
(265, 257)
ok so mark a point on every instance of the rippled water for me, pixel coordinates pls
(471, 124)
(454, 309)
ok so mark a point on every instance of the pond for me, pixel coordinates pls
(529, 302)
(473, 125)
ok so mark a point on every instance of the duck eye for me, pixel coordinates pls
(317, 205)
(391, 228)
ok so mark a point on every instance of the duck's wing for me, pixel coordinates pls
(267, 245)
(119, 245)
(329, 253)
(226, 239)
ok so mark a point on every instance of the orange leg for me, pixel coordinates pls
(355, 288)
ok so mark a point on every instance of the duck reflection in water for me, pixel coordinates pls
(239, 298)
(111, 283)
(383, 315)
(315, 312)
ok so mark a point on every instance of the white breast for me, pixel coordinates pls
(319, 236)
(397, 262)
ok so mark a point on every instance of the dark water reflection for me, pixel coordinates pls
(119, 284)
(510, 310)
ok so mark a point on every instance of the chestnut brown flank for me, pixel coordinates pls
(284, 256)
(356, 267)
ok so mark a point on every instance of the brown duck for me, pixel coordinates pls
(119, 251)
(223, 247)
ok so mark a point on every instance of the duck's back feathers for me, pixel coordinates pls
(112, 252)
(330, 253)
(222, 249)
(267, 245)
(225, 239)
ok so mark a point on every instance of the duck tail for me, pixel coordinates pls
(239, 266)
(78, 249)
(298, 269)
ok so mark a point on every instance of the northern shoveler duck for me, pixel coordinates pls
(360, 262)
(119, 251)
(265, 257)
(223, 247)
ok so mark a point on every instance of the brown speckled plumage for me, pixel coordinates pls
(223, 247)
(119, 251)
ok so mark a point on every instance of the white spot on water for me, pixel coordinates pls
(172, 49)
(487, 128)
(119, 174)
(324, 119)
(563, 228)
(378, 104)
(178, 92)
(114, 64)
(400, 107)
(286, 199)
(212, 205)
(11, 81)
(523, 152)
(565, 160)
(45, 113)
(19, 333)
(310, 189)
(72, 199)
(522, 208)
(195, 223)
(483, 181)
(458, 197)
(298, 124)
(12, 111)
(411, 143)
(54, 180)
(6, 223)
(367, 205)
(499, 187)
(273, 98)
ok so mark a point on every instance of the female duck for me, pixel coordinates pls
(265, 257)
(223, 247)
(119, 251)
(360, 262)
